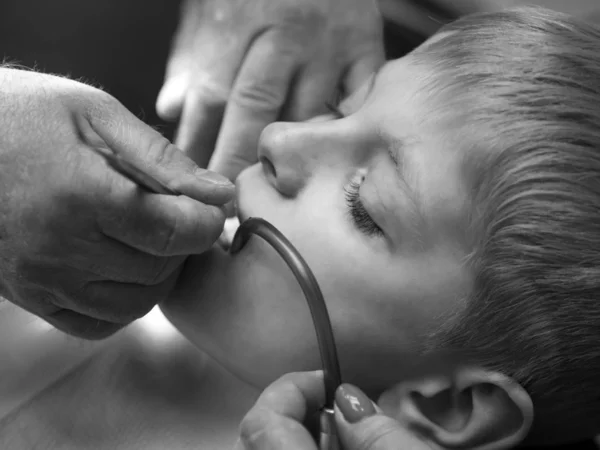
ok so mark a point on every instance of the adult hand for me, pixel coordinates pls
(277, 420)
(426, 17)
(238, 65)
(80, 245)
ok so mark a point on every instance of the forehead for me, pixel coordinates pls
(395, 83)
(428, 137)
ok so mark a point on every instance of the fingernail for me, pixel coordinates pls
(213, 177)
(171, 98)
(353, 403)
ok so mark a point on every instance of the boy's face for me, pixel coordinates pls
(389, 271)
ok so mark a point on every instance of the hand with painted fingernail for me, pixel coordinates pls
(283, 418)
(361, 424)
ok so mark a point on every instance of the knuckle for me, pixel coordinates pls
(212, 94)
(284, 387)
(161, 151)
(101, 106)
(258, 95)
(258, 425)
(167, 238)
(252, 423)
(302, 15)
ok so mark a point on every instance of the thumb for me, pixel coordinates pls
(361, 425)
(107, 123)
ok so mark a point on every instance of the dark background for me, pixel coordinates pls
(121, 45)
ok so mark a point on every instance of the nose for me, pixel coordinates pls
(284, 151)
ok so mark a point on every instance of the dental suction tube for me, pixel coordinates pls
(312, 292)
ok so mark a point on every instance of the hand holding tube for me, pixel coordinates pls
(279, 419)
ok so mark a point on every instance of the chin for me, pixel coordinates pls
(246, 312)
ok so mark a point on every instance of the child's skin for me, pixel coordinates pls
(390, 274)
(384, 291)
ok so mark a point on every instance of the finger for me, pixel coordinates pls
(109, 301)
(177, 75)
(44, 304)
(217, 56)
(34, 299)
(256, 99)
(170, 100)
(82, 326)
(313, 90)
(373, 431)
(200, 123)
(274, 432)
(357, 98)
(110, 125)
(363, 69)
(294, 395)
(112, 260)
(410, 15)
(275, 421)
(161, 225)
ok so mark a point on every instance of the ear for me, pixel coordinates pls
(470, 409)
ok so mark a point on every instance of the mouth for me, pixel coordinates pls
(239, 216)
(230, 228)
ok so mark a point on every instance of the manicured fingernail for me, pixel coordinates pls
(353, 403)
(213, 177)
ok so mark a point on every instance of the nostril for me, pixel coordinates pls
(268, 167)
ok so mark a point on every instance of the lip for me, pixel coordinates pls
(232, 223)
(240, 211)
(240, 214)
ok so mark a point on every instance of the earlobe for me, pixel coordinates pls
(470, 409)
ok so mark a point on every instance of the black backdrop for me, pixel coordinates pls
(121, 45)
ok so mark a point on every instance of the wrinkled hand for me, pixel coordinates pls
(278, 419)
(80, 245)
(238, 65)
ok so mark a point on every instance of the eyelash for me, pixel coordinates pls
(358, 213)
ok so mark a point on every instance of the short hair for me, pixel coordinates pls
(529, 79)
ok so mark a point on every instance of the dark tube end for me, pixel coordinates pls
(242, 235)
